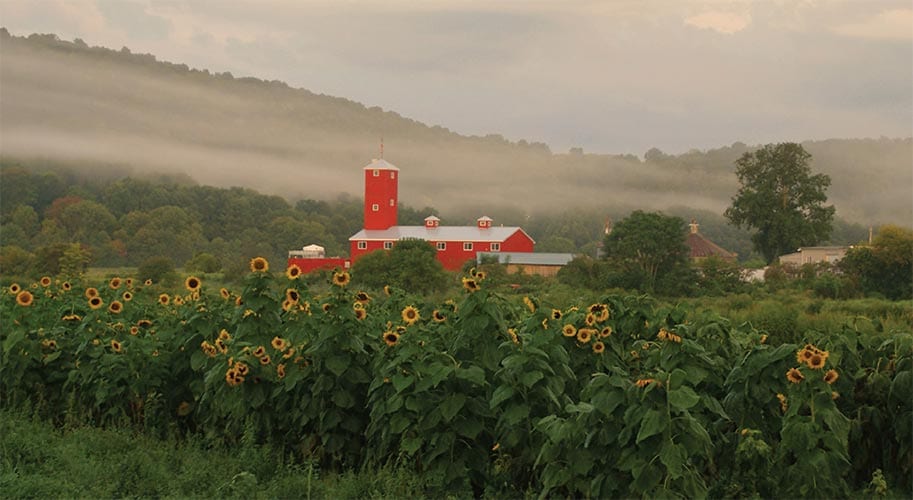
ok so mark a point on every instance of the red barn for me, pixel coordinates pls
(455, 244)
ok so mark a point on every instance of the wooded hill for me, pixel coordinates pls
(94, 107)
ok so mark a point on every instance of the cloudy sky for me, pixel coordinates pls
(614, 76)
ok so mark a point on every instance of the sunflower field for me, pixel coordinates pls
(482, 394)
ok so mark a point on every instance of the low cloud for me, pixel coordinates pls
(722, 22)
(896, 24)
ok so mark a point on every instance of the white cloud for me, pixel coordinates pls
(896, 24)
(722, 22)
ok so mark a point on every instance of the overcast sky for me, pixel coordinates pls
(615, 76)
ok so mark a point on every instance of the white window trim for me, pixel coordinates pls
(362, 245)
(376, 173)
(467, 246)
(495, 247)
(392, 202)
(393, 175)
(375, 207)
(388, 245)
(441, 245)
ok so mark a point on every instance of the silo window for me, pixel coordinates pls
(376, 173)
(375, 207)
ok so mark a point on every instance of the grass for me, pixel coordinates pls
(40, 460)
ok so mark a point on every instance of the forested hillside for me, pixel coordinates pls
(115, 113)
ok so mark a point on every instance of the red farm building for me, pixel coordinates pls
(455, 244)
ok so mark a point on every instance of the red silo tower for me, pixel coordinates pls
(381, 178)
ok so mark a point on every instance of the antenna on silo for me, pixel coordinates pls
(381, 147)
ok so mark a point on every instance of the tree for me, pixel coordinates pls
(781, 200)
(651, 244)
(411, 265)
(886, 266)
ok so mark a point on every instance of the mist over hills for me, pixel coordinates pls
(101, 110)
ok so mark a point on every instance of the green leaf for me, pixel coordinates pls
(515, 413)
(673, 456)
(398, 424)
(337, 364)
(469, 427)
(529, 379)
(452, 405)
(653, 423)
(676, 378)
(473, 374)
(500, 395)
(400, 382)
(411, 444)
(683, 398)
(343, 399)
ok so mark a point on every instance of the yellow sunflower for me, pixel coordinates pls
(224, 335)
(192, 284)
(224, 293)
(115, 307)
(116, 346)
(45, 281)
(605, 332)
(529, 304)
(569, 330)
(127, 296)
(326, 307)
(259, 265)
(96, 302)
(360, 314)
(387, 290)
(164, 299)
(114, 283)
(293, 272)
(71, 317)
(129, 282)
(590, 319)
(794, 375)
(280, 370)
(279, 343)
(148, 282)
(25, 298)
(438, 316)
(341, 278)
(292, 295)
(816, 361)
(242, 368)
(66, 286)
(391, 338)
(480, 275)
(362, 298)
(470, 285)
(259, 351)
(265, 360)
(134, 330)
(556, 314)
(144, 323)
(598, 347)
(643, 382)
(178, 300)
(15, 288)
(410, 315)
(208, 349)
(831, 376)
(782, 399)
(513, 335)
(91, 292)
(287, 305)
(584, 335)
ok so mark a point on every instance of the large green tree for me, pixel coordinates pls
(781, 200)
(411, 265)
(646, 248)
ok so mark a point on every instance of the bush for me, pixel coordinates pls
(204, 263)
(158, 269)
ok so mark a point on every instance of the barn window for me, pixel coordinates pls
(495, 247)
(467, 246)
(376, 173)
(388, 245)
(392, 202)
(362, 245)
(442, 245)
(393, 175)
(375, 207)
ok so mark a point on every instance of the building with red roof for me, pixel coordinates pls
(701, 248)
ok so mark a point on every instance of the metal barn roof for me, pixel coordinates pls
(440, 233)
(528, 258)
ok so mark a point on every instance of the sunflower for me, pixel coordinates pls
(242, 368)
(287, 305)
(127, 296)
(134, 330)
(605, 332)
(96, 302)
(387, 290)
(556, 314)
(481, 275)
(71, 317)
(513, 335)
(25, 298)
(208, 349)
(438, 316)
(292, 272)
(400, 329)
(220, 345)
(590, 319)
(361, 314)
(674, 338)
(764, 339)
(794, 375)
(280, 370)
(234, 377)
(643, 382)
(259, 351)
(362, 298)
(782, 399)
(116, 346)
(224, 293)
(91, 292)
(831, 376)
(265, 360)
(148, 282)
(341, 278)
(116, 307)
(259, 265)
(470, 285)
(545, 324)
(66, 286)
(569, 330)
(144, 323)
(184, 409)
(289, 353)
(529, 304)
(114, 283)
(129, 282)
(49, 344)
(410, 315)
(239, 302)
(584, 335)
(224, 335)
(816, 361)
(326, 307)
(192, 284)
(598, 347)
(804, 354)
(278, 343)
(391, 338)
(15, 288)
(292, 295)
(178, 300)
(164, 299)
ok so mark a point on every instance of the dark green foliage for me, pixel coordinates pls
(158, 269)
(885, 267)
(203, 262)
(781, 200)
(411, 265)
(647, 248)
(15, 261)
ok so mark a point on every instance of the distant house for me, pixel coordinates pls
(701, 248)
(814, 255)
(542, 264)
